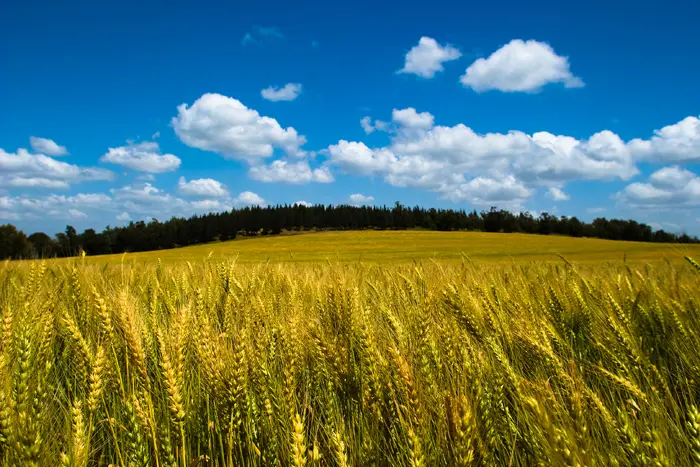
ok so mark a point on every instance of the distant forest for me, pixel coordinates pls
(272, 220)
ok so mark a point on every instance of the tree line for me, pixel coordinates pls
(272, 220)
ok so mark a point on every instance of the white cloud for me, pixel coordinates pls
(671, 177)
(146, 177)
(290, 172)
(677, 143)
(427, 58)
(211, 205)
(9, 216)
(358, 198)
(303, 203)
(142, 157)
(52, 206)
(404, 120)
(366, 124)
(356, 157)
(248, 198)
(143, 193)
(147, 200)
(76, 214)
(23, 169)
(37, 182)
(538, 158)
(482, 191)
(378, 125)
(557, 194)
(667, 188)
(289, 92)
(667, 226)
(155, 135)
(224, 125)
(409, 118)
(457, 162)
(323, 175)
(207, 187)
(520, 66)
(47, 146)
(142, 201)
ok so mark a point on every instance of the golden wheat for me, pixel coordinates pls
(217, 364)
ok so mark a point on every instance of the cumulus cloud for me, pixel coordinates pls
(366, 124)
(402, 120)
(409, 118)
(142, 157)
(303, 203)
(541, 157)
(671, 177)
(427, 58)
(669, 187)
(357, 158)
(9, 216)
(288, 92)
(248, 198)
(677, 143)
(76, 214)
(462, 165)
(483, 191)
(146, 199)
(23, 169)
(37, 182)
(667, 226)
(290, 172)
(224, 125)
(52, 206)
(358, 198)
(557, 194)
(370, 127)
(141, 200)
(520, 66)
(207, 187)
(150, 201)
(47, 146)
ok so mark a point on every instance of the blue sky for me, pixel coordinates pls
(118, 111)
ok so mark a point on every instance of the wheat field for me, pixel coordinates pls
(223, 364)
(406, 246)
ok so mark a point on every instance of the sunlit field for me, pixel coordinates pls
(349, 349)
(406, 246)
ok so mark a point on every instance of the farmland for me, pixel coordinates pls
(391, 247)
(349, 349)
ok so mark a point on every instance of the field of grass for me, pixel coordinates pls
(407, 246)
(216, 362)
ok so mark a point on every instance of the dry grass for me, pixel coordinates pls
(215, 363)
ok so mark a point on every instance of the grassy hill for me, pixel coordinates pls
(406, 246)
